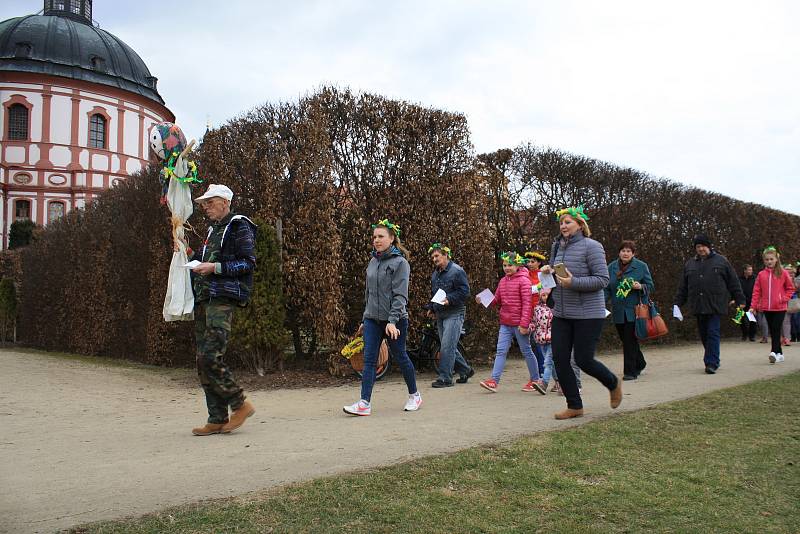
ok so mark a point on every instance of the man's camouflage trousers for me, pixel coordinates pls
(212, 326)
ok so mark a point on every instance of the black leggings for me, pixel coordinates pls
(578, 337)
(775, 324)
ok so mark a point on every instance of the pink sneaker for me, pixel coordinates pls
(361, 407)
(490, 384)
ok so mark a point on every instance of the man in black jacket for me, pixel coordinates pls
(708, 282)
(747, 281)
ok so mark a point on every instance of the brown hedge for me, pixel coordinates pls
(323, 169)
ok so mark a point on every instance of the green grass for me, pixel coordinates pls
(723, 462)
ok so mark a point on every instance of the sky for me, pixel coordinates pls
(705, 93)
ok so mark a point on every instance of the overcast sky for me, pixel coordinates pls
(705, 93)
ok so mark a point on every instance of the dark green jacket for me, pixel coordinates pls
(623, 309)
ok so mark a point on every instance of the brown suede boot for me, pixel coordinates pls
(616, 394)
(239, 416)
(569, 413)
(210, 428)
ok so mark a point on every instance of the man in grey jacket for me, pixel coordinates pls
(708, 283)
(450, 278)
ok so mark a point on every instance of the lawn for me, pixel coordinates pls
(723, 462)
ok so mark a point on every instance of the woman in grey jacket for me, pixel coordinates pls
(385, 315)
(579, 308)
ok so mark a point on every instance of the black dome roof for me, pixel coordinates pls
(61, 46)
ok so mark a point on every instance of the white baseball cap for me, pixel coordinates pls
(216, 190)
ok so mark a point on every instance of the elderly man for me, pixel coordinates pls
(222, 281)
(707, 283)
(450, 278)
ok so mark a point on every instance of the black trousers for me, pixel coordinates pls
(578, 337)
(775, 324)
(748, 329)
(632, 357)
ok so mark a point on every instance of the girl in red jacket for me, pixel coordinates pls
(513, 298)
(771, 293)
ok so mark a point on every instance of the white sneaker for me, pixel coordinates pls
(778, 358)
(361, 407)
(772, 357)
(414, 402)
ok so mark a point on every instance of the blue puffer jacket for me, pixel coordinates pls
(586, 260)
(231, 243)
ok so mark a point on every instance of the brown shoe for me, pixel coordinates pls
(239, 416)
(569, 413)
(616, 394)
(210, 428)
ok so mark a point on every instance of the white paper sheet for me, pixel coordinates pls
(192, 264)
(547, 280)
(486, 297)
(751, 317)
(608, 313)
(535, 288)
(439, 297)
(676, 312)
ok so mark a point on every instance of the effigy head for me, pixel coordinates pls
(166, 138)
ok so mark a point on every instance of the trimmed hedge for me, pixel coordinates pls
(326, 167)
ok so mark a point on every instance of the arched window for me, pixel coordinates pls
(22, 209)
(17, 122)
(97, 131)
(55, 210)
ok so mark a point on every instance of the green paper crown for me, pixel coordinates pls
(439, 246)
(513, 258)
(574, 212)
(388, 224)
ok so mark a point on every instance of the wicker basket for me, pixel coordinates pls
(357, 360)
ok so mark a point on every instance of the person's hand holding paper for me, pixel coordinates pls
(485, 297)
(440, 297)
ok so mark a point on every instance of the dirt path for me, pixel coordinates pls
(83, 442)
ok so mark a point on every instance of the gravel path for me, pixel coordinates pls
(83, 442)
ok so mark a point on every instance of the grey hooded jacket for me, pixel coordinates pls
(386, 294)
(586, 260)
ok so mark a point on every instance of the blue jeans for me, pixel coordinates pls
(795, 320)
(539, 355)
(708, 326)
(450, 358)
(374, 334)
(504, 336)
(550, 367)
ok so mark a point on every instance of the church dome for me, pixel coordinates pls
(64, 42)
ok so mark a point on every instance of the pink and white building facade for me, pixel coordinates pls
(77, 108)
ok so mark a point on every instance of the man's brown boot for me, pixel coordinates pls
(616, 394)
(238, 417)
(569, 413)
(210, 428)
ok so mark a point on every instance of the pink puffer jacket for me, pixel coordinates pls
(770, 293)
(513, 298)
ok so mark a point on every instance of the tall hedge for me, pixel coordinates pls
(326, 167)
(660, 215)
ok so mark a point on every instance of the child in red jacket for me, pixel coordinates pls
(513, 299)
(771, 293)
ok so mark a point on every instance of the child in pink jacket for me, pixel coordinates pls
(513, 299)
(771, 293)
